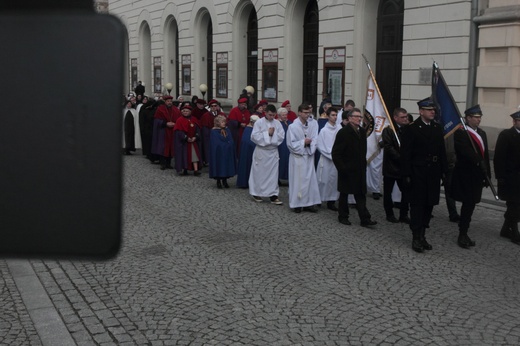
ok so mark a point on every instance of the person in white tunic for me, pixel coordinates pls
(326, 172)
(301, 138)
(267, 134)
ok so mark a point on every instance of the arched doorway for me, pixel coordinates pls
(172, 63)
(310, 54)
(252, 51)
(145, 53)
(390, 51)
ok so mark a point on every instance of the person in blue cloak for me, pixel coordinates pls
(283, 151)
(222, 157)
(245, 158)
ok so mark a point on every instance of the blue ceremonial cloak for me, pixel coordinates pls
(245, 159)
(283, 152)
(222, 157)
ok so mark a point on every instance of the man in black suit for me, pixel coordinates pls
(471, 170)
(139, 89)
(423, 164)
(349, 156)
(392, 167)
(507, 172)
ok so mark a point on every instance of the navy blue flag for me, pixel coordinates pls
(447, 111)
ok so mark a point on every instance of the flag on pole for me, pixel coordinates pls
(375, 118)
(447, 112)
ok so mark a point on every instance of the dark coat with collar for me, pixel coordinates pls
(468, 177)
(392, 154)
(349, 156)
(507, 165)
(423, 160)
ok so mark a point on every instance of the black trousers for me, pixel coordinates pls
(466, 211)
(361, 206)
(388, 186)
(420, 215)
(512, 213)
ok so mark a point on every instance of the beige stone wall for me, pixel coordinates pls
(498, 74)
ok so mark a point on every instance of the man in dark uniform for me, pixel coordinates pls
(392, 167)
(507, 172)
(139, 89)
(471, 170)
(423, 164)
(349, 156)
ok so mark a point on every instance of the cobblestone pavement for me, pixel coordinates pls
(204, 266)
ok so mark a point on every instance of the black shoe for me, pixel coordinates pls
(311, 209)
(376, 195)
(226, 185)
(219, 184)
(455, 218)
(404, 219)
(197, 173)
(506, 231)
(425, 244)
(392, 219)
(470, 242)
(332, 206)
(169, 166)
(368, 223)
(417, 245)
(185, 172)
(297, 210)
(463, 242)
(344, 221)
(515, 235)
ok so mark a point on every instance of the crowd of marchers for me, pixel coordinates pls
(323, 158)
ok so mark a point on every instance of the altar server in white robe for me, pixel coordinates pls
(301, 138)
(267, 134)
(326, 172)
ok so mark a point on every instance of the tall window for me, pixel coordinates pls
(310, 54)
(252, 51)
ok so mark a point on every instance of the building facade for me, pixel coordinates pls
(302, 50)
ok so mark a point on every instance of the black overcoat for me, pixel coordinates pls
(468, 178)
(507, 165)
(349, 156)
(423, 160)
(392, 155)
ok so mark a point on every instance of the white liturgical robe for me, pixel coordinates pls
(326, 172)
(303, 186)
(263, 178)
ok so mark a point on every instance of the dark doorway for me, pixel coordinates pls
(390, 51)
(252, 52)
(310, 54)
(210, 61)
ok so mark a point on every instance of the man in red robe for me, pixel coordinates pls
(187, 137)
(165, 118)
(238, 120)
(291, 116)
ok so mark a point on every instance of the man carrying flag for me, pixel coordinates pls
(471, 170)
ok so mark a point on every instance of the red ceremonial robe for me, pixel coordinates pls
(162, 115)
(235, 119)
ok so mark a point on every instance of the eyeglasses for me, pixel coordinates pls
(356, 116)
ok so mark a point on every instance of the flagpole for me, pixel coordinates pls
(381, 98)
(438, 74)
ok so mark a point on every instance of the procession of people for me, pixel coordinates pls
(325, 159)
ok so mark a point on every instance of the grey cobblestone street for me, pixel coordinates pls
(207, 266)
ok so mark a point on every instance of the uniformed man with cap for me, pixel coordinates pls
(471, 169)
(423, 164)
(507, 172)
